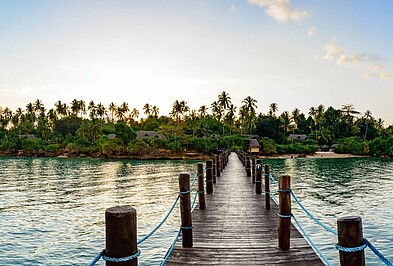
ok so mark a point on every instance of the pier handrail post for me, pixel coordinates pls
(253, 169)
(284, 213)
(267, 188)
(214, 168)
(185, 209)
(248, 166)
(209, 177)
(258, 176)
(201, 187)
(218, 163)
(350, 234)
(120, 234)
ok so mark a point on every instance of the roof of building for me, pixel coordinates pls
(149, 134)
(297, 136)
(254, 143)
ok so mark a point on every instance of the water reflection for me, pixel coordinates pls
(331, 188)
(52, 210)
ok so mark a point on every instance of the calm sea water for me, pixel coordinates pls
(52, 210)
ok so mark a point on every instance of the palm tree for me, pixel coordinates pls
(155, 111)
(38, 105)
(273, 108)
(193, 119)
(75, 106)
(61, 108)
(112, 109)
(125, 108)
(101, 111)
(367, 118)
(285, 122)
(147, 109)
(184, 108)
(92, 109)
(250, 104)
(231, 117)
(216, 110)
(319, 115)
(134, 114)
(203, 111)
(224, 101)
(82, 107)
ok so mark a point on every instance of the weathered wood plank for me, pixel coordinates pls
(237, 229)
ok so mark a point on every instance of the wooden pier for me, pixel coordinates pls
(236, 229)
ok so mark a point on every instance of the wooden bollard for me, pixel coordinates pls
(218, 164)
(253, 169)
(350, 235)
(248, 166)
(185, 209)
(121, 235)
(209, 177)
(284, 213)
(267, 188)
(201, 187)
(258, 176)
(214, 168)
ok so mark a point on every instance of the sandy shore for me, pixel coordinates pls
(318, 154)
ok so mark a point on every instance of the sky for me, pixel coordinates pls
(297, 54)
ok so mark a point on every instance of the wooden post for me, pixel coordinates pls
(185, 209)
(201, 187)
(209, 177)
(267, 188)
(253, 169)
(248, 166)
(258, 176)
(218, 163)
(214, 168)
(350, 234)
(121, 236)
(284, 212)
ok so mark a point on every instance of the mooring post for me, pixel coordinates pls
(121, 235)
(209, 177)
(218, 163)
(284, 213)
(267, 188)
(258, 176)
(248, 166)
(253, 169)
(185, 209)
(350, 235)
(214, 168)
(201, 187)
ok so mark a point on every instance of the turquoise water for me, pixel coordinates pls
(52, 210)
(332, 188)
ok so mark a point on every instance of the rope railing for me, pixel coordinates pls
(327, 228)
(158, 226)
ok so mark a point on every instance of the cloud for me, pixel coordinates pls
(336, 53)
(377, 71)
(311, 31)
(280, 10)
(232, 8)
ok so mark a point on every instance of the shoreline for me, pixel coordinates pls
(318, 154)
(185, 156)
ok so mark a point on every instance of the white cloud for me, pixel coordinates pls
(311, 31)
(350, 61)
(280, 10)
(232, 8)
(336, 53)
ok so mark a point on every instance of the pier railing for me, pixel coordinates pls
(121, 223)
(351, 243)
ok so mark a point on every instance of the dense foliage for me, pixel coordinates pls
(95, 130)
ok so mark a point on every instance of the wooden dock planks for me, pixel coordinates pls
(235, 228)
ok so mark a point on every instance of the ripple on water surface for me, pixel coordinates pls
(52, 210)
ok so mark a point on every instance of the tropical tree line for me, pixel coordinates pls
(97, 130)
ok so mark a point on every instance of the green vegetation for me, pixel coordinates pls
(92, 129)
